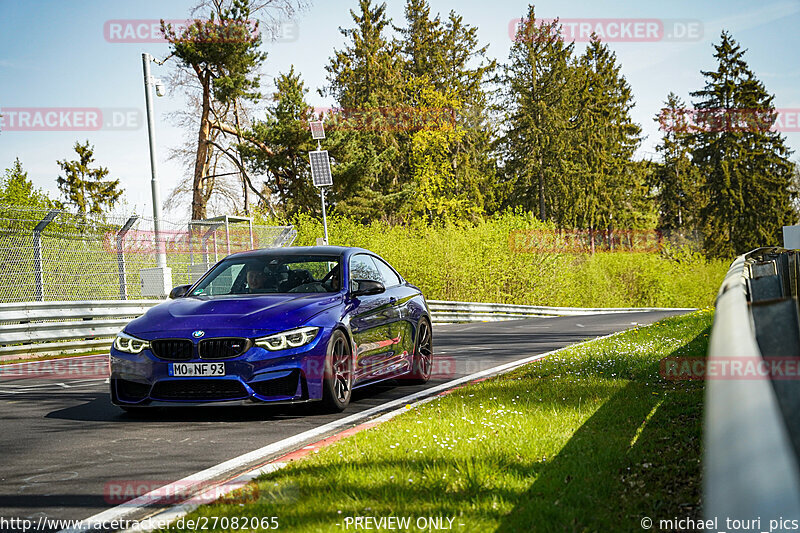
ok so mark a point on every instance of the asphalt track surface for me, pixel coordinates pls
(64, 449)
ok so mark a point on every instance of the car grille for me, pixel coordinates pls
(132, 391)
(199, 389)
(223, 348)
(172, 349)
(285, 386)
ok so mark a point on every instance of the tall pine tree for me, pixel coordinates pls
(86, 188)
(538, 81)
(613, 193)
(278, 148)
(676, 180)
(746, 166)
(365, 78)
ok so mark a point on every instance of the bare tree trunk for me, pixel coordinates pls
(201, 158)
(239, 154)
(541, 194)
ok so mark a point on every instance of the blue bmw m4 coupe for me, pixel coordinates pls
(281, 325)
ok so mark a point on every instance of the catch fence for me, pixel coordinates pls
(50, 255)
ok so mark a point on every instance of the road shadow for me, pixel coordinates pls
(637, 456)
(96, 406)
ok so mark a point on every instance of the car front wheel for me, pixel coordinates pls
(338, 378)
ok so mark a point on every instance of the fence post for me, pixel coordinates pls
(37, 253)
(123, 287)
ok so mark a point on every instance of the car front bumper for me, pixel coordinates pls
(258, 376)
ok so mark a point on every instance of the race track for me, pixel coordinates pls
(64, 445)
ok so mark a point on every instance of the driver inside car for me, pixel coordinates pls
(258, 281)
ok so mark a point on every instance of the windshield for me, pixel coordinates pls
(272, 274)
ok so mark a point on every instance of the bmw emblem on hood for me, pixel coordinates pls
(197, 334)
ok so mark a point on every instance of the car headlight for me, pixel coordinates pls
(125, 343)
(293, 338)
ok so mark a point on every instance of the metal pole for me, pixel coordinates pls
(227, 235)
(161, 260)
(324, 216)
(123, 287)
(38, 271)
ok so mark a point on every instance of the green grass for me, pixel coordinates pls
(590, 439)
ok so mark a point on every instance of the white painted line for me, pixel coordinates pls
(381, 412)
(182, 509)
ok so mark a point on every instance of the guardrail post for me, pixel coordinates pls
(37, 253)
(211, 231)
(123, 286)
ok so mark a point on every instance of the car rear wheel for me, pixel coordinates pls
(338, 378)
(423, 355)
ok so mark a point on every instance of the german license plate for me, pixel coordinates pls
(196, 369)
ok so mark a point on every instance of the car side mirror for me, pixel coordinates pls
(179, 291)
(364, 287)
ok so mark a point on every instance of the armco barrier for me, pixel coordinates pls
(751, 467)
(61, 327)
(445, 311)
(74, 326)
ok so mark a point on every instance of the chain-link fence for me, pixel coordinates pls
(55, 255)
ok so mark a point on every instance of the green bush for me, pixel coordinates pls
(476, 263)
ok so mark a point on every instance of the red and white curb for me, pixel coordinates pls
(278, 454)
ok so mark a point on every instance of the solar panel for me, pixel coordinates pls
(320, 168)
(317, 129)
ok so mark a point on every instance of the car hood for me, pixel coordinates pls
(245, 316)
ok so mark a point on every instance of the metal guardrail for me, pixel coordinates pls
(73, 326)
(751, 467)
(445, 311)
(64, 327)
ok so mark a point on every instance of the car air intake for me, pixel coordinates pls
(223, 348)
(285, 386)
(199, 390)
(172, 349)
(131, 391)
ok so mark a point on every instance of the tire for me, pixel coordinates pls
(422, 365)
(337, 380)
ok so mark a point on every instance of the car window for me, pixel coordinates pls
(390, 279)
(272, 273)
(363, 267)
(222, 283)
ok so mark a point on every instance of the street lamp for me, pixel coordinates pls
(161, 258)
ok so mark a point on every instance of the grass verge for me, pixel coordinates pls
(590, 439)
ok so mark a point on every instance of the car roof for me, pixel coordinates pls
(302, 250)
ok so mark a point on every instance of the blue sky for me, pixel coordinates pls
(55, 54)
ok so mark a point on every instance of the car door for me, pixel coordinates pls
(401, 329)
(370, 319)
